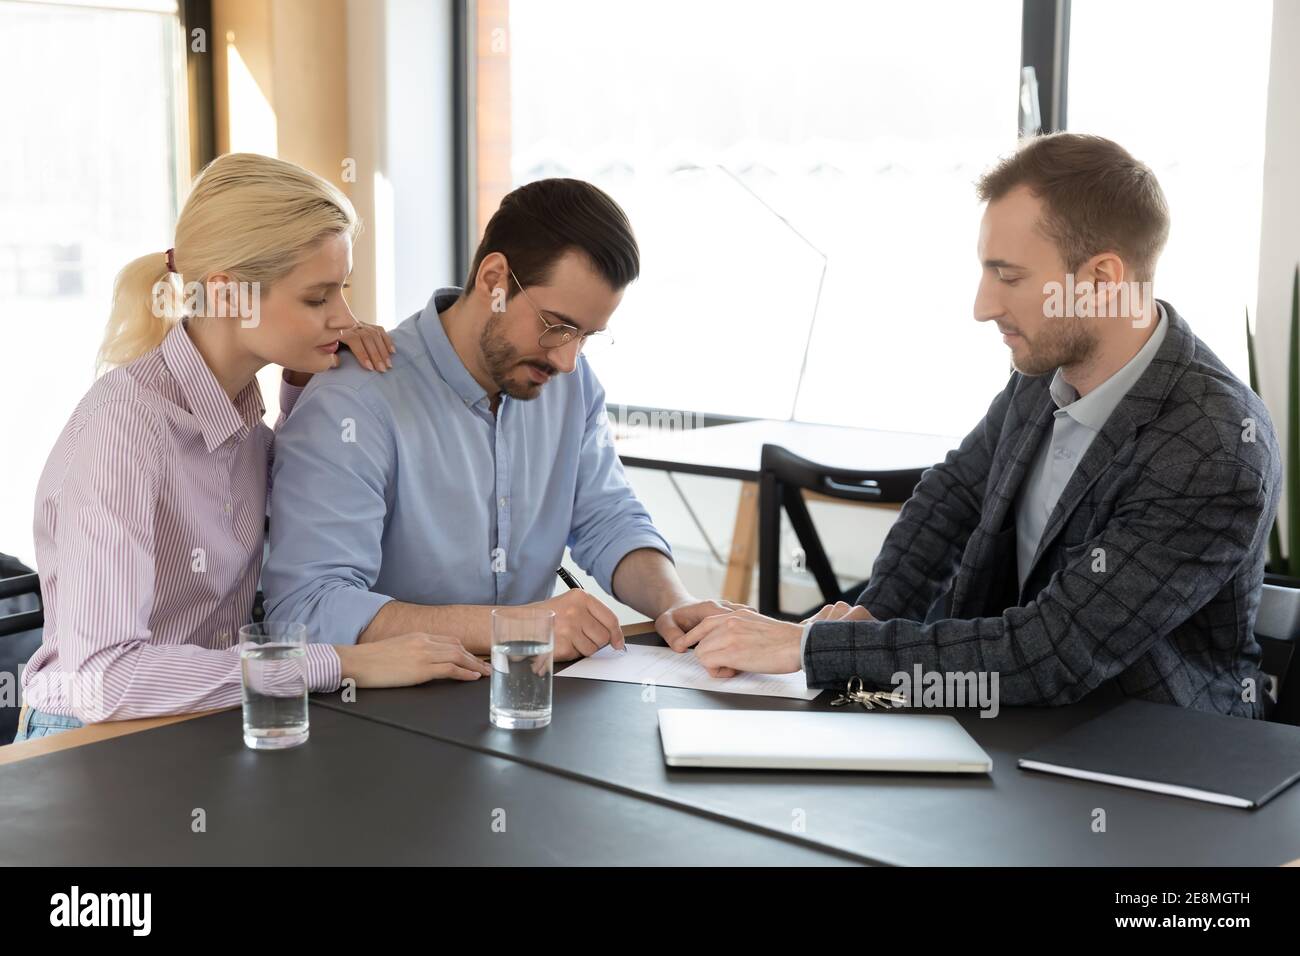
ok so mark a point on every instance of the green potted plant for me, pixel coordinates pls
(1279, 613)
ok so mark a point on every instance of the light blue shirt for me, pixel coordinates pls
(1077, 421)
(403, 485)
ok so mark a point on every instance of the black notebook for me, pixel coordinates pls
(1234, 761)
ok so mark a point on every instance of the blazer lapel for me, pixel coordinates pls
(1032, 408)
(1011, 475)
(1142, 403)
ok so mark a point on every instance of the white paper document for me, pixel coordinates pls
(664, 667)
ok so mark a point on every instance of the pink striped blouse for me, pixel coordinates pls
(149, 526)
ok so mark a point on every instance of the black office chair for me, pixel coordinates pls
(28, 615)
(783, 478)
(1277, 628)
(21, 626)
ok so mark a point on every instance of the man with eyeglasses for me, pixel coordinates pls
(419, 499)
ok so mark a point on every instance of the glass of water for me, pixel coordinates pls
(523, 655)
(273, 658)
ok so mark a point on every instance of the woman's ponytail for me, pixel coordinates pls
(142, 315)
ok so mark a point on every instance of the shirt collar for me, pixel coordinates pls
(445, 359)
(1094, 408)
(219, 417)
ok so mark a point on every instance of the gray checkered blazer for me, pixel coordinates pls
(1147, 578)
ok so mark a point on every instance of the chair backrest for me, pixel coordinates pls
(784, 476)
(1277, 628)
(879, 487)
(19, 621)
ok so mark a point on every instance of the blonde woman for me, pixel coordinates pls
(150, 511)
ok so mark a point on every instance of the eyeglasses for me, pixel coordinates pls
(556, 335)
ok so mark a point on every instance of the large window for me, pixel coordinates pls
(1183, 85)
(800, 177)
(91, 165)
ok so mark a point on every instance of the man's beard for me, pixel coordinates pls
(500, 358)
(1059, 342)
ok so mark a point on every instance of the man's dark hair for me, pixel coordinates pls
(1096, 198)
(539, 222)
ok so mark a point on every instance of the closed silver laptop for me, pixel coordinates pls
(800, 740)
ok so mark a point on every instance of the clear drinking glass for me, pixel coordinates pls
(273, 659)
(523, 655)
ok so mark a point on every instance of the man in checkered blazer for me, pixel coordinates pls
(1102, 530)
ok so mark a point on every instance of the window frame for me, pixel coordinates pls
(1044, 45)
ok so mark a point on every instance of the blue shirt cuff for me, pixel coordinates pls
(343, 613)
(603, 567)
(803, 642)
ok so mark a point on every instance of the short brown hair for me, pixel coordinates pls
(539, 222)
(1097, 198)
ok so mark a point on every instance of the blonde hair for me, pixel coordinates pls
(251, 217)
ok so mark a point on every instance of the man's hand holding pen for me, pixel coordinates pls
(583, 625)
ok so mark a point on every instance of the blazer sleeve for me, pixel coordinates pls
(923, 549)
(1175, 540)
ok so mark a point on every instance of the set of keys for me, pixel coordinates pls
(869, 699)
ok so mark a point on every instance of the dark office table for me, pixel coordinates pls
(735, 451)
(358, 792)
(418, 775)
(607, 734)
